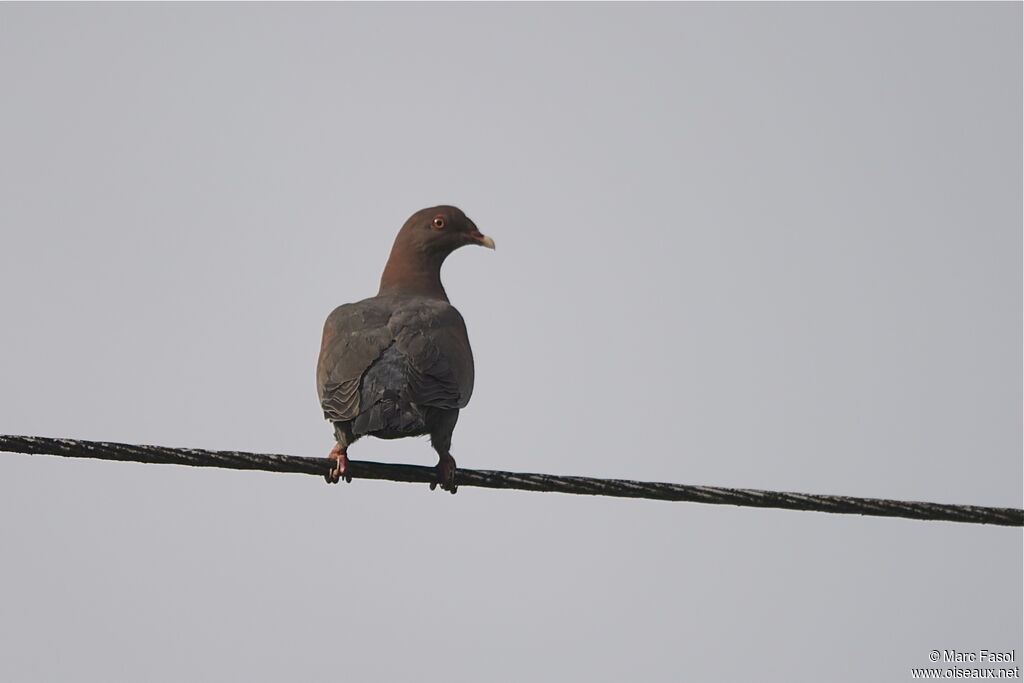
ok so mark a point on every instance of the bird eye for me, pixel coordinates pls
(438, 222)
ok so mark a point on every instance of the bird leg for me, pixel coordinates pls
(339, 471)
(445, 473)
(442, 425)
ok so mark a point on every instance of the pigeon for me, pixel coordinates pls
(399, 364)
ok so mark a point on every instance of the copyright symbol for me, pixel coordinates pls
(933, 655)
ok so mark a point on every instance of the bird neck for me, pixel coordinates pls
(412, 272)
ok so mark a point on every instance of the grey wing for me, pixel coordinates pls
(354, 337)
(434, 341)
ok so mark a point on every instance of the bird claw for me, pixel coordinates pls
(339, 471)
(334, 476)
(445, 475)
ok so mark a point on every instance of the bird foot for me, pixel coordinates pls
(339, 471)
(445, 474)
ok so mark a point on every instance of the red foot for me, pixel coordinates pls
(338, 472)
(445, 474)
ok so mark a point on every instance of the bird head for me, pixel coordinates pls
(441, 230)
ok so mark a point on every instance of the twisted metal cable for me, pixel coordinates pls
(622, 488)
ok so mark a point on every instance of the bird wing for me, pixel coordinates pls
(431, 334)
(354, 337)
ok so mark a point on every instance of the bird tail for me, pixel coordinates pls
(388, 415)
(387, 411)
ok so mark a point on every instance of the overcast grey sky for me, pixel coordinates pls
(770, 246)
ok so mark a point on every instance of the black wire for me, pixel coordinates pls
(622, 488)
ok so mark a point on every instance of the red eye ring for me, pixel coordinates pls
(438, 223)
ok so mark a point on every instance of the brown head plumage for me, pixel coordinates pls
(422, 245)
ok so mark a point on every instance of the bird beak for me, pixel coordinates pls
(482, 239)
